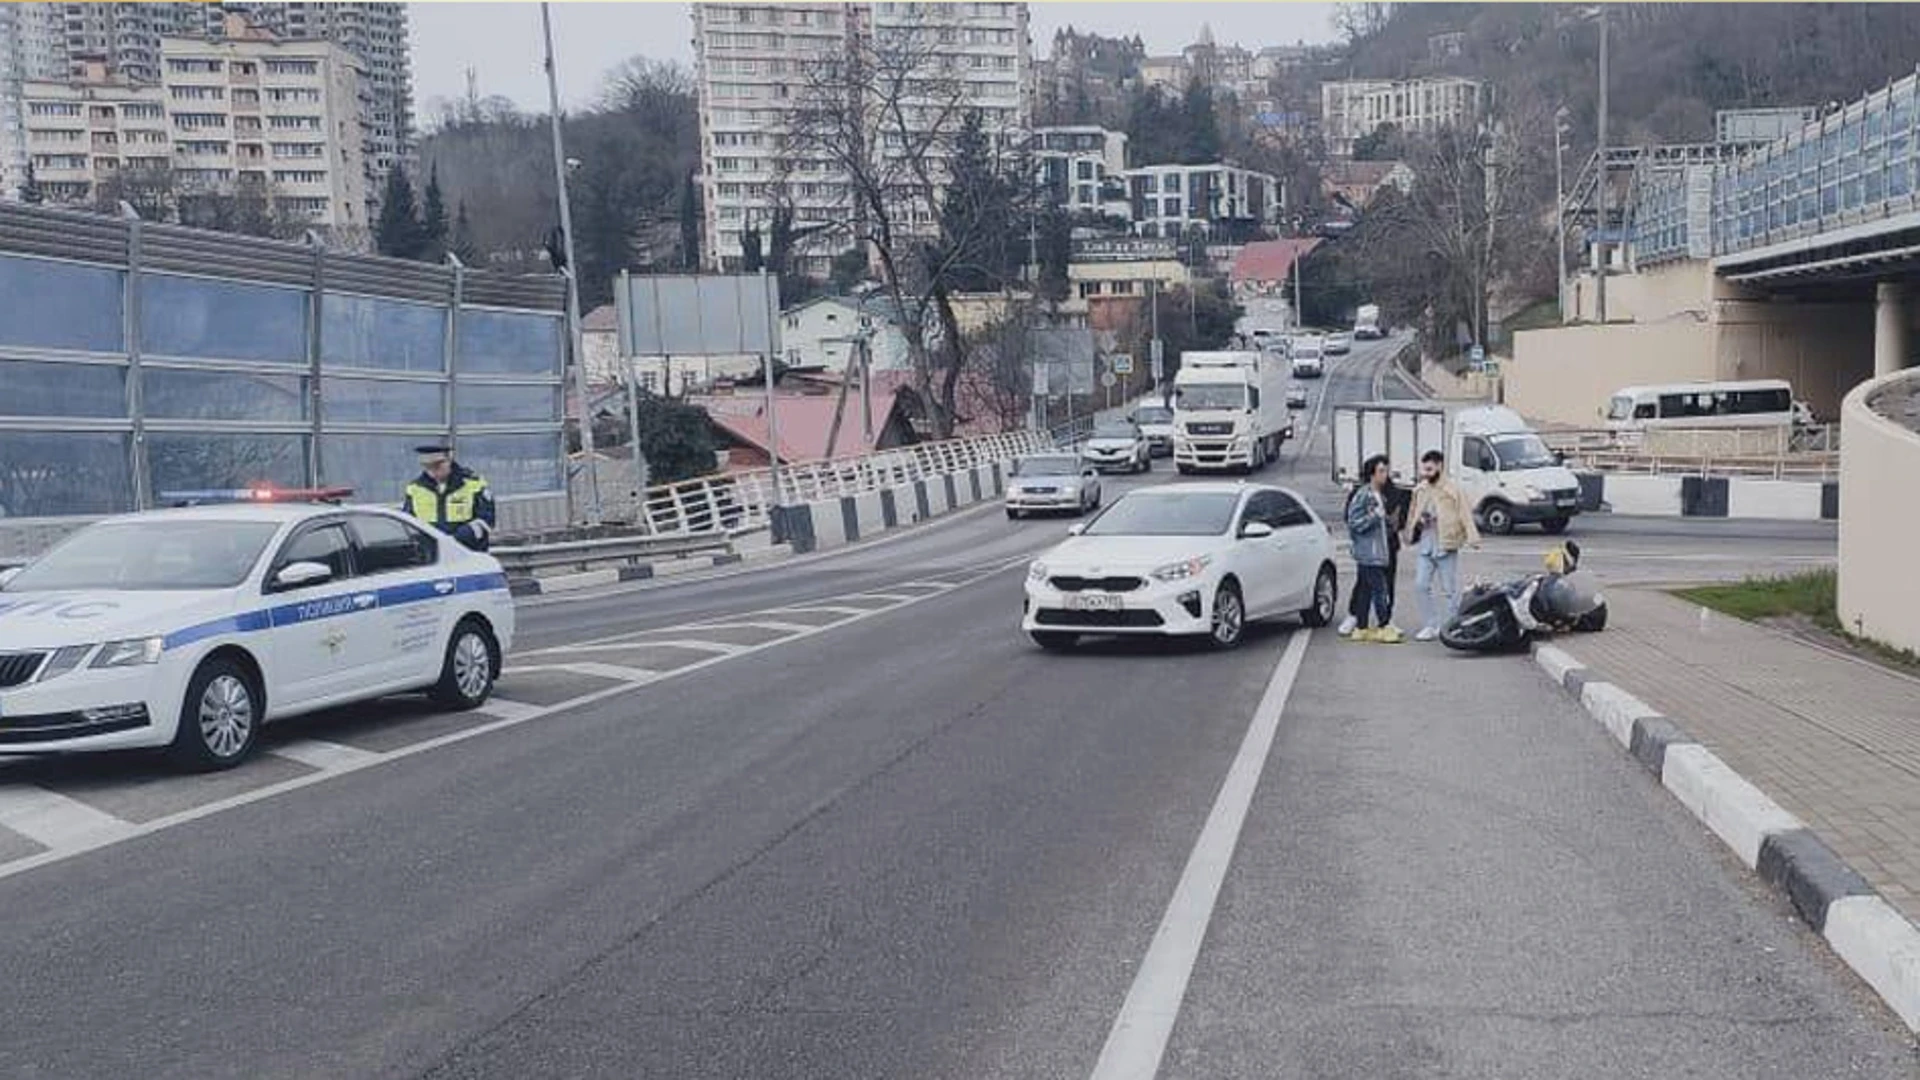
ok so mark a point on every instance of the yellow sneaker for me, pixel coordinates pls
(1388, 635)
(1364, 634)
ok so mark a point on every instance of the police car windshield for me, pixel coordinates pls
(150, 556)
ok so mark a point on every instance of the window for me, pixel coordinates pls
(326, 544)
(1476, 454)
(389, 544)
(1265, 507)
(1289, 512)
(293, 67)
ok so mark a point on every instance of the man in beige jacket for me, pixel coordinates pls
(1439, 524)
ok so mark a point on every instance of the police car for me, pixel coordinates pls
(189, 628)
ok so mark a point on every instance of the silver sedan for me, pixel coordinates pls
(1051, 483)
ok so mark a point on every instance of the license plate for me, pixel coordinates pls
(1093, 602)
(1566, 502)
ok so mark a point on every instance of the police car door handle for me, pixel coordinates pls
(443, 587)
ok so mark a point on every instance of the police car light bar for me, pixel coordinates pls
(263, 493)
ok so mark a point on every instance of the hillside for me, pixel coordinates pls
(1672, 64)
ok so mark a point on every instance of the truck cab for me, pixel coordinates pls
(1508, 473)
(1229, 411)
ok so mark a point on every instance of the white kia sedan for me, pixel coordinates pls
(188, 629)
(1188, 559)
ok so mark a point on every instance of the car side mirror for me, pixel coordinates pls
(302, 574)
(1254, 530)
(1559, 457)
(1076, 530)
(9, 574)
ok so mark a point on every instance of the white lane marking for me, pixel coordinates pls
(103, 830)
(690, 642)
(759, 624)
(1139, 1035)
(513, 712)
(889, 597)
(318, 754)
(58, 822)
(831, 609)
(616, 671)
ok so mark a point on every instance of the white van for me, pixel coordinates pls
(1308, 354)
(1753, 403)
(1506, 471)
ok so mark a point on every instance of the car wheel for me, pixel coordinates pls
(1054, 640)
(1555, 526)
(220, 717)
(1229, 617)
(467, 674)
(1326, 597)
(1498, 517)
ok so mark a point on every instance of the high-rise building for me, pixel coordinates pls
(61, 40)
(751, 62)
(29, 49)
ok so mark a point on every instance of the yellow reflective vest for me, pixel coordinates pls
(465, 498)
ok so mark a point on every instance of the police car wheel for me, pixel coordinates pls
(219, 719)
(467, 675)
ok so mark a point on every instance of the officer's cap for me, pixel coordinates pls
(433, 452)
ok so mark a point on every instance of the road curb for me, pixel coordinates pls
(1881, 945)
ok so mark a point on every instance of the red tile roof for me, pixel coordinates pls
(1270, 260)
(805, 420)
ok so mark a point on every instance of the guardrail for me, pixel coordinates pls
(736, 502)
(1804, 453)
(583, 555)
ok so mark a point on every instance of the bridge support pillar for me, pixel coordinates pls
(1889, 328)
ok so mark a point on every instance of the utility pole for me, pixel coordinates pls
(1600, 280)
(576, 346)
(1299, 265)
(1560, 203)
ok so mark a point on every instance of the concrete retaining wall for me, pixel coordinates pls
(1879, 591)
(849, 519)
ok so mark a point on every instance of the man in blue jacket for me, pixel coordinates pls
(1370, 530)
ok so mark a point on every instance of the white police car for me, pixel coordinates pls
(190, 628)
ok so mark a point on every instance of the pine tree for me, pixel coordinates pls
(30, 192)
(460, 244)
(690, 223)
(433, 220)
(398, 233)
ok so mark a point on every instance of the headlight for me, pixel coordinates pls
(131, 653)
(1534, 494)
(1182, 570)
(1069, 489)
(64, 660)
(1037, 572)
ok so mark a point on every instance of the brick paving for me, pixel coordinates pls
(1834, 740)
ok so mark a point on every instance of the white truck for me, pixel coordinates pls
(1366, 323)
(1506, 471)
(1308, 354)
(1229, 411)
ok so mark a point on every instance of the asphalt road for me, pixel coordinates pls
(837, 819)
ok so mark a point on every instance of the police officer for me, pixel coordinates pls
(450, 497)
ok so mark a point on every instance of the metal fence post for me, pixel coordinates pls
(316, 468)
(136, 387)
(452, 359)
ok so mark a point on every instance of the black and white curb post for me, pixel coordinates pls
(1739, 497)
(1874, 939)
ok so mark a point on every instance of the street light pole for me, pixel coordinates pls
(576, 346)
(1600, 280)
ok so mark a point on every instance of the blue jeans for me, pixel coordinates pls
(1444, 565)
(1376, 591)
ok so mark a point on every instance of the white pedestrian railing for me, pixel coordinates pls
(1803, 453)
(732, 502)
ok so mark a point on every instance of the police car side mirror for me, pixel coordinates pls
(9, 574)
(302, 574)
(1254, 530)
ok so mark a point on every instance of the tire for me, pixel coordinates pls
(1498, 517)
(1555, 526)
(1229, 618)
(1054, 640)
(1326, 599)
(471, 666)
(1593, 621)
(220, 717)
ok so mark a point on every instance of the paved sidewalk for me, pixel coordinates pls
(1835, 741)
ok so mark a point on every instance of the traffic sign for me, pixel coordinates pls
(1108, 379)
(1120, 363)
(1477, 355)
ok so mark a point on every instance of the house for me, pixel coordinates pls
(1263, 268)
(1353, 184)
(1168, 200)
(805, 407)
(1105, 273)
(825, 334)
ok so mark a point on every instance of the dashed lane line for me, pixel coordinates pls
(66, 827)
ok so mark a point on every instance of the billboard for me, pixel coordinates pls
(1063, 360)
(698, 315)
(1125, 249)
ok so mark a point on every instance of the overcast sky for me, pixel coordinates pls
(501, 42)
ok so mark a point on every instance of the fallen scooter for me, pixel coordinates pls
(1504, 617)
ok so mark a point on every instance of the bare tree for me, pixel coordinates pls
(883, 118)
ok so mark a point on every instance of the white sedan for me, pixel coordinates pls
(189, 629)
(1191, 559)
